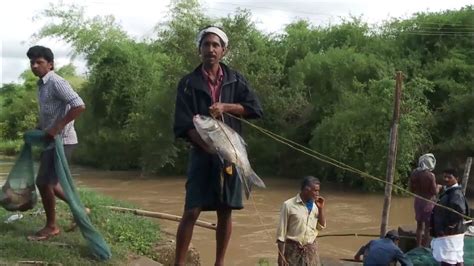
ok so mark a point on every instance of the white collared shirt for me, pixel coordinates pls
(297, 223)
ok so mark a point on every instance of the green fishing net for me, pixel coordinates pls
(20, 183)
(19, 191)
(423, 256)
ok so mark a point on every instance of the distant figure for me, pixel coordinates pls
(447, 226)
(301, 218)
(423, 183)
(383, 251)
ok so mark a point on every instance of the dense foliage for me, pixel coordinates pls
(330, 88)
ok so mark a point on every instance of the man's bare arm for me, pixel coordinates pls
(281, 253)
(217, 109)
(70, 116)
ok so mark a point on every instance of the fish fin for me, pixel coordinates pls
(247, 187)
(241, 140)
(250, 182)
(239, 137)
(221, 158)
(255, 180)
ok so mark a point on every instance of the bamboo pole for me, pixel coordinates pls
(392, 155)
(36, 262)
(465, 177)
(161, 215)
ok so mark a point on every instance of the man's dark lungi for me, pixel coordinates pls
(209, 187)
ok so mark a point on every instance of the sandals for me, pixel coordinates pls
(44, 234)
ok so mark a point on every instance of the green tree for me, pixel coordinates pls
(330, 88)
(356, 133)
(19, 107)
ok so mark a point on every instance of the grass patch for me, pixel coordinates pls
(263, 262)
(126, 234)
(10, 147)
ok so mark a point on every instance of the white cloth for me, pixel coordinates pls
(214, 30)
(426, 162)
(470, 230)
(449, 249)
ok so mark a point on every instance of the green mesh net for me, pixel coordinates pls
(18, 193)
(468, 250)
(423, 256)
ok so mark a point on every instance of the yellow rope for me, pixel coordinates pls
(336, 163)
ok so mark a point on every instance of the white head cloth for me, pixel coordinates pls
(214, 30)
(426, 162)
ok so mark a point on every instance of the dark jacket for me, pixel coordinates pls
(207, 186)
(193, 97)
(446, 222)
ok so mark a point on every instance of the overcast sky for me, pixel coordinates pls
(138, 17)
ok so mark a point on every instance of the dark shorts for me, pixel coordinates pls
(47, 172)
(423, 210)
(208, 187)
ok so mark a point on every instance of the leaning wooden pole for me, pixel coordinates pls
(465, 177)
(161, 215)
(392, 154)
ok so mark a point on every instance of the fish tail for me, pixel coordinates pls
(246, 186)
(248, 182)
(255, 180)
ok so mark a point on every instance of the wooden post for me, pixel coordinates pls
(465, 177)
(392, 154)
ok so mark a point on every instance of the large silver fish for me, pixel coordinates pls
(230, 147)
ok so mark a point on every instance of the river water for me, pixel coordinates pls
(254, 228)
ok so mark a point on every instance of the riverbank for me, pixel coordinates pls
(252, 241)
(128, 236)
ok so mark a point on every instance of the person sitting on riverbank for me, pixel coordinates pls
(423, 183)
(301, 218)
(383, 251)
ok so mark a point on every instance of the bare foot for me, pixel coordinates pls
(44, 234)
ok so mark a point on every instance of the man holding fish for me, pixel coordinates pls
(213, 181)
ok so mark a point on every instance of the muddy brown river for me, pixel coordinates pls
(254, 228)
